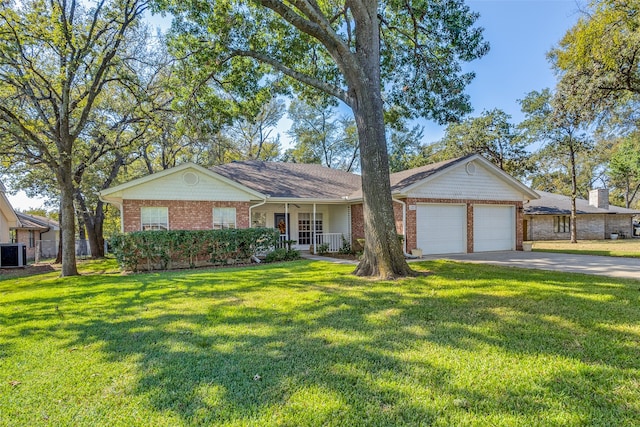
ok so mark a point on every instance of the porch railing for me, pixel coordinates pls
(333, 240)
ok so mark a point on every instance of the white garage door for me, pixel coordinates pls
(441, 228)
(493, 228)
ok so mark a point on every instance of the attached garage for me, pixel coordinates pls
(494, 228)
(441, 228)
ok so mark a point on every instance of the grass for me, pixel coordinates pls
(306, 344)
(617, 248)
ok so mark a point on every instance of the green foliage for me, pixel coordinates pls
(189, 248)
(624, 168)
(599, 56)
(493, 136)
(282, 254)
(345, 248)
(321, 136)
(323, 248)
(405, 147)
(250, 47)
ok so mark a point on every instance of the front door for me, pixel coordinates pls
(281, 221)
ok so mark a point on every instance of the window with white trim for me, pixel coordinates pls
(224, 218)
(561, 224)
(154, 218)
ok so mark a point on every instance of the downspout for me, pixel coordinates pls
(255, 206)
(404, 224)
(315, 240)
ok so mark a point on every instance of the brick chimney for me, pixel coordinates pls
(599, 198)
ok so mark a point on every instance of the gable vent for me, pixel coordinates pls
(190, 178)
(470, 167)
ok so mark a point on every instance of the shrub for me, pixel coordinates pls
(346, 247)
(188, 248)
(323, 248)
(282, 254)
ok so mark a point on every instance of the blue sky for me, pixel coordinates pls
(520, 32)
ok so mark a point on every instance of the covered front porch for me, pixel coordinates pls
(310, 227)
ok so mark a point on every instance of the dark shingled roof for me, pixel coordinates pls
(557, 204)
(35, 222)
(291, 180)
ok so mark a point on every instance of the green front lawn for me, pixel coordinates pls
(305, 343)
(618, 248)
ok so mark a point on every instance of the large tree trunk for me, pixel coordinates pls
(93, 223)
(59, 252)
(383, 255)
(67, 222)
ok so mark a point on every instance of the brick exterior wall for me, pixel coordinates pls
(589, 227)
(183, 215)
(357, 219)
(22, 236)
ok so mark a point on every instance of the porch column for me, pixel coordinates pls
(313, 232)
(287, 235)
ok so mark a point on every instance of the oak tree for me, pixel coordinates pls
(370, 55)
(56, 58)
(550, 119)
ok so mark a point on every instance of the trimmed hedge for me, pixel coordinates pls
(163, 250)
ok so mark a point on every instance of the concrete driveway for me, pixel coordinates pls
(587, 264)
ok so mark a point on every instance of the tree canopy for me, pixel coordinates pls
(492, 135)
(601, 55)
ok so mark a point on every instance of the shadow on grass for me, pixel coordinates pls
(307, 344)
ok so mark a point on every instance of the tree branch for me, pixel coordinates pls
(303, 78)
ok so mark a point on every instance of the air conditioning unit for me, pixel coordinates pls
(13, 255)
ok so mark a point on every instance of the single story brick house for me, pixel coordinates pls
(548, 217)
(32, 229)
(460, 205)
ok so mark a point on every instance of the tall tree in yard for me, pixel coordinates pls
(553, 120)
(404, 55)
(56, 57)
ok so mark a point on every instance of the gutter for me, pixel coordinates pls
(255, 206)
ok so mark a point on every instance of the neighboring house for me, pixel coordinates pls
(461, 205)
(548, 218)
(32, 229)
(8, 218)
